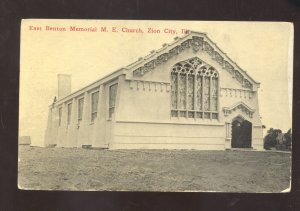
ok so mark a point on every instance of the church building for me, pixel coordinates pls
(186, 95)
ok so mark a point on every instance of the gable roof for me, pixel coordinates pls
(197, 41)
(240, 105)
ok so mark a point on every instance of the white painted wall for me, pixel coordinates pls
(142, 115)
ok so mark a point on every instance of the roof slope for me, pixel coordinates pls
(197, 41)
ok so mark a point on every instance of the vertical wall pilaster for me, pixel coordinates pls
(83, 133)
(72, 127)
(54, 129)
(102, 118)
(121, 84)
(98, 138)
(62, 129)
(64, 125)
(49, 129)
(228, 135)
(257, 137)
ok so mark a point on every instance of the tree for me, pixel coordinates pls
(270, 138)
(288, 137)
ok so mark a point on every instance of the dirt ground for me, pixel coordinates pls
(152, 170)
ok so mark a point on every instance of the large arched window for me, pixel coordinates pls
(194, 90)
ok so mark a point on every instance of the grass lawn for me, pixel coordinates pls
(152, 170)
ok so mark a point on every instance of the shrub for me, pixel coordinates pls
(273, 140)
(270, 138)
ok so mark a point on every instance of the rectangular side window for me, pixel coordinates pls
(80, 109)
(59, 116)
(112, 99)
(95, 98)
(69, 112)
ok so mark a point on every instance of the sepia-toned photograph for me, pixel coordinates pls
(168, 106)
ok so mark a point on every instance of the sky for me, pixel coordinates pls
(263, 49)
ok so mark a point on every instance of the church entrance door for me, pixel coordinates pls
(241, 134)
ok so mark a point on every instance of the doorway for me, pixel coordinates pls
(241, 133)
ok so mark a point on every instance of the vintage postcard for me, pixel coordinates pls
(123, 105)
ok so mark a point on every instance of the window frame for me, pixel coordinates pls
(93, 118)
(69, 113)
(109, 107)
(195, 113)
(78, 110)
(59, 116)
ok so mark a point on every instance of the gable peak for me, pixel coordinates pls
(198, 41)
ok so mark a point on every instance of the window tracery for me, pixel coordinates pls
(239, 76)
(194, 90)
(196, 43)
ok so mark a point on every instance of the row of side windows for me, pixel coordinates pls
(94, 106)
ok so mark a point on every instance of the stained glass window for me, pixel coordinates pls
(174, 88)
(214, 93)
(194, 90)
(182, 91)
(198, 100)
(206, 93)
(190, 92)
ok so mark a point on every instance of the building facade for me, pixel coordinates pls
(186, 95)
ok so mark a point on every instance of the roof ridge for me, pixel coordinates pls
(153, 52)
(177, 39)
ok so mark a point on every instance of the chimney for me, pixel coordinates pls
(64, 85)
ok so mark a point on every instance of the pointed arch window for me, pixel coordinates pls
(194, 90)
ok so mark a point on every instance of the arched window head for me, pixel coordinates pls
(194, 90)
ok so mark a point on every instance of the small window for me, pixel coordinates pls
(80, 109)
(69, 112)
(112, 99)
(95, 98)
(59, 116)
